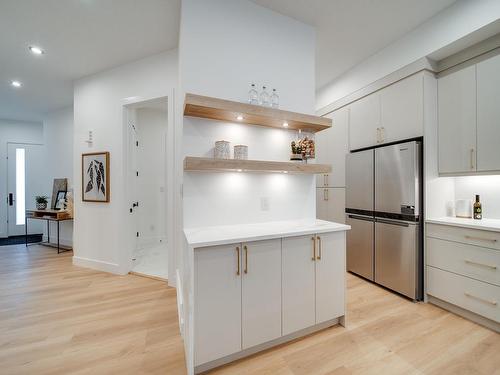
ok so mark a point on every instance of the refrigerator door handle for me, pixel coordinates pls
(393, 222)
(360, 217)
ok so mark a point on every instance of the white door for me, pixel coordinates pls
(402, 109)
(488, 115)
(364, 122)
(457, 121)
(261, 292)
(298, 283)
(217, 283)
(330, 276)
(132, 176)
(26, 178)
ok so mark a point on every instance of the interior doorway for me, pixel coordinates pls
(147, 123)
(25, 180)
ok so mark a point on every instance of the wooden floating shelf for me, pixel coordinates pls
(226, 110)
(197, 164)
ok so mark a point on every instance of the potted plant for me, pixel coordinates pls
(41, 202)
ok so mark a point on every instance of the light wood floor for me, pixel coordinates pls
(59, 319)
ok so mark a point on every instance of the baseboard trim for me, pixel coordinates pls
(98, 265)
(478, 319)
(256, 349)
(148, 276)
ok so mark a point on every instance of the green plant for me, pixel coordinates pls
(42, 199)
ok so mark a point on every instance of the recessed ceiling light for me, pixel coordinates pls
(285, 124)
(36, 50)
(16, 84)
(239, 118)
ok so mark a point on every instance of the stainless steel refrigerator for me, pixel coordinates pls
(383, 208)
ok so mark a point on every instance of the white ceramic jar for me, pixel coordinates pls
(221, 150)
(241, 152)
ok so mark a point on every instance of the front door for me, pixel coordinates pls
(26, 178)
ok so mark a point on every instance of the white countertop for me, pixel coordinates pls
(228, 234)
(484, 224)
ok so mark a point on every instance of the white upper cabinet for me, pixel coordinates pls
(402, 109)
(331, 148)
(330, 204)
(488, 115)
(364, 122)
(261, 292)
(457, 121)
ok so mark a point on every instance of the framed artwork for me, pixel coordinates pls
(95, 177)
(60, 200)
(60, 184)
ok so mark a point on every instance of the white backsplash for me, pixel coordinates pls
(488, 187)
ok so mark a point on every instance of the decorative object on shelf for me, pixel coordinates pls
(296, 152)
(253, 95)
(241, 152)
(264, 98)
(275, 99)
(303, 149)
(463, 208)
(41, 202)
(478, 209)
(60, 200)
(95, 177)
(59, 184)
(221, 150)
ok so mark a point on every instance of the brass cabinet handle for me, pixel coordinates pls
(319, 248)
(325, 194)
(314, 248)
(493, 267)
(471, 158)
(481, 239)
(325, 180)
(238, 261)
(494, 303)
(246, 259)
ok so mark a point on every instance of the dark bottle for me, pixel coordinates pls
(478, 211)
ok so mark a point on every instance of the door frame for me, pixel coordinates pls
(7, 178)
(128, 222)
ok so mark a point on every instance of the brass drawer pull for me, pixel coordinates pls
(494, 303)
(314, 248)
(471, 158)
(481, 239)
(319, 248)
(238, 261)
(480, 264)
(246, 259)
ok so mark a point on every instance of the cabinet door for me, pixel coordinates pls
(330, 276)
(261, 292)
(364, 120)
(488, 115)
(402, 109)
(335, 200)
(457, 121)
(321, 203)
(323, 154)
(218, 302)
(338, 144)
(298, 283)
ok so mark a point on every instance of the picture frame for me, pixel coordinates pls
(58, 185)
(95, 177)
(60, 200)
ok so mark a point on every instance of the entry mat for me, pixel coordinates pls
(17, 240)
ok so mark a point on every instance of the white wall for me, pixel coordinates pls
(152, 130)
(15, 132)
(99, 238)
(224, 46)
(488, 187)
(448, 26)
(58, 142)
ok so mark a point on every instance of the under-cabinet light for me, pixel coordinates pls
(239, 118)
(285, 124)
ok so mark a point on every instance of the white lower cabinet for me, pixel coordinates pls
(261, 292)
(298, 283)
(252, 293)
(218, 302)
(330, 288)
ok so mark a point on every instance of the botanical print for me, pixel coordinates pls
(95, 177)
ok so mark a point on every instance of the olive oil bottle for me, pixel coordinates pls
(478, 210)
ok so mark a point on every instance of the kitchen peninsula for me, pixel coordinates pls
(254, 286)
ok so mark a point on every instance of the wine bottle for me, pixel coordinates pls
(478, 211)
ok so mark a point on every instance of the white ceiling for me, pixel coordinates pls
(80, 37)
(349, 31)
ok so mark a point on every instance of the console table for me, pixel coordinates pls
(48, 215)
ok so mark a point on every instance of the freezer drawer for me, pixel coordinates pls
(359, 180)
(397, 256)
(397, 178)
(360, 245)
